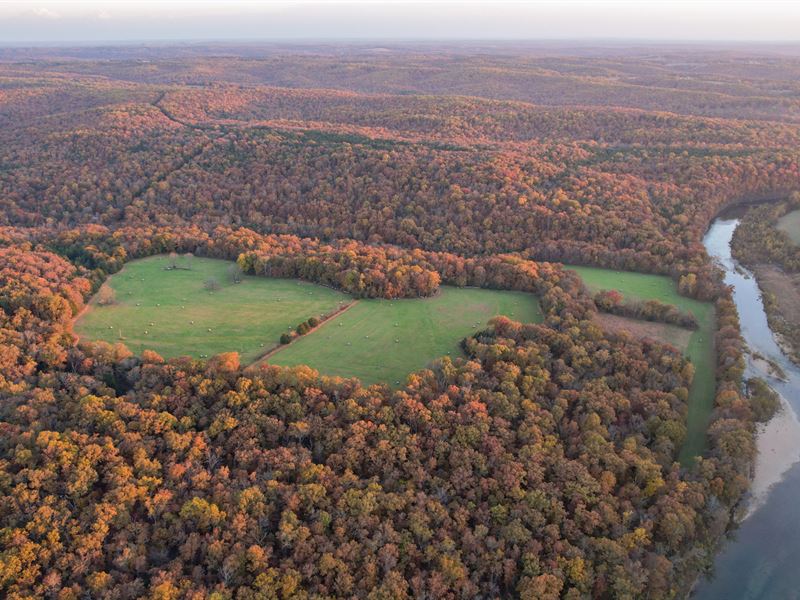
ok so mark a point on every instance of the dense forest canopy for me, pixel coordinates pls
(542, 465)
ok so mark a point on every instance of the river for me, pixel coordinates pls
(760, 559)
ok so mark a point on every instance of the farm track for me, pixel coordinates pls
(274, 350)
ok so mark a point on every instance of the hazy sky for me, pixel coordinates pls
(125, 20)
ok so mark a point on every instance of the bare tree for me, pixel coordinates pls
(106, 296)
(235, 273)
(211, 284)
(173, 260)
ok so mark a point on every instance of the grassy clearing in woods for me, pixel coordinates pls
(700, 349)
(385, 340)
(172, 312)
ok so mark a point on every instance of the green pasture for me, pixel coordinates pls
(385, 340)
(640, 286)
(171, 311)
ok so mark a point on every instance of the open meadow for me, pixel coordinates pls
(172, 312)
(385, 340)
(700, 347)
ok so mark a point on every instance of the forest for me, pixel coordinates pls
(542, 464)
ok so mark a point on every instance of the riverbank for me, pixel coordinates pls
(757, 559)
(781, 294)
(778, 449)
(765, 247)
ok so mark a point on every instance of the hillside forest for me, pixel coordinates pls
(541, 464)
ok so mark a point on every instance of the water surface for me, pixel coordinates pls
(760, 560)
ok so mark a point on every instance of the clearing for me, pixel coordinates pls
(172, 312)
(700, 348)
(385, 340)
(663, 332)
(790, 224)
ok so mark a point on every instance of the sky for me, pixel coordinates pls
(282, 20)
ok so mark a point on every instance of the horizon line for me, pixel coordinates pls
(387, 40)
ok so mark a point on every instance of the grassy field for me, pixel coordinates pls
(700, 350)
(172, 313)
(385, 340)
(790, 223)
(663, 332)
